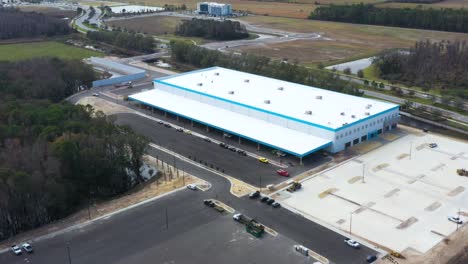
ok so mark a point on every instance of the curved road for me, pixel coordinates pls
(139, 235)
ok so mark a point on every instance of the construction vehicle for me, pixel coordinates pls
(255, 228)
(294, 186)
(397, 255)
(251, 226)
(462, 172)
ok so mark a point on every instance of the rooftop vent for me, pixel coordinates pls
(366, 113)
(246, 80)
(267, 101)
(353, 116)
(319, 97)
(368, 106)
(200, 84)
(308, 112)
(281, 88)
(342, 113)
(231, 92)
(217, 73)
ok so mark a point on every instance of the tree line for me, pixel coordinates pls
(16, 24)
(429, 65)
(212, 29)
(187, 53)
(444, 19)
(48, 78)
(130, 41)
(55, 156)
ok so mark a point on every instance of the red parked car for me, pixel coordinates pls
(284, 173)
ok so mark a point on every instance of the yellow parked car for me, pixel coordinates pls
(263, 160)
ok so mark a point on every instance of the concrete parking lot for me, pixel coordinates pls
(405, 198)
(242, 167)
(193, 233)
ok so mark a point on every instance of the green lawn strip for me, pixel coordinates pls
(197, 40)
(91, 26)
(458, 125)
(24, 51)
(419, 100)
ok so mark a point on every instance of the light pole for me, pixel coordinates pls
(68, 252)
(410, 149)
(167, 220)
(363, 172)
(260, 186)
(350, 222)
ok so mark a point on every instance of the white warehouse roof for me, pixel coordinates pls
(318, 107)
(278, 137)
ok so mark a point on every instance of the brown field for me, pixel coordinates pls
(444, 4)
(153, 25)
(348, 41)
(311, 51)
(50, 11)
(299, 9)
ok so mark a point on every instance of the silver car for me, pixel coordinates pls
(16, 250)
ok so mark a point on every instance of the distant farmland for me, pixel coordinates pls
(23, 51)
(152, 25)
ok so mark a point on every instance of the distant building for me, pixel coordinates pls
(214, 9)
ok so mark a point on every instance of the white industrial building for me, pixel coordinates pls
(290, 117)
(214, 9)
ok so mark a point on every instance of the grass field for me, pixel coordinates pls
(444, 4)
(153, 25)
(23, 51)
(346, 40)
(50, 11)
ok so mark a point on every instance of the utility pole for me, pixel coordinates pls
(350, 222)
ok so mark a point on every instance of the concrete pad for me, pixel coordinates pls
(409, 190)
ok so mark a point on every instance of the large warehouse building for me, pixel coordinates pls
(290, 117)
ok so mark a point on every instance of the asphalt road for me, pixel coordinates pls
(195, 233)
(245, 168)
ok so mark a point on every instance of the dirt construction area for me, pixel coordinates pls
(403, 202)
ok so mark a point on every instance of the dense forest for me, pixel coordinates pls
(130, 41)
(51, 78)
(212, 29)
(187, 53)
(16, 24)
(55, 156)
(429, 65)
(444, 19)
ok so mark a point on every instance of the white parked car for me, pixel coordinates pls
(95, 94)
(455, 219)
(192, 187)
(27, 247)
(352, 243)
(16, 250)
